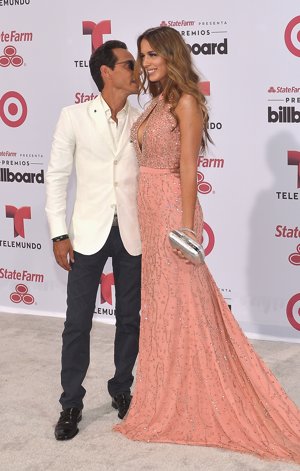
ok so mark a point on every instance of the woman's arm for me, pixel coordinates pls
(191, 128)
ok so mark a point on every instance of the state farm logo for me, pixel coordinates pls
(203, 186)
(10, 57)
(23, 275)
(178, 23)
(18, 215)
(81, 97)
(293, 311)
(294, 258)
(13, 109)
(292, 36)
(287, 232)
(21, 295)
(96, 31)
(15, 36)
(283, 89)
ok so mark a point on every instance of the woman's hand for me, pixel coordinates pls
(193, 236)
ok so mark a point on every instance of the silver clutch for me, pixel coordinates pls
(191, 249)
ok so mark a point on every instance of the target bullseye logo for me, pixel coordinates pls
(21, 295)
(293, 311)
(10, 57)
(292, 36)
(208, 239)
(13, 109)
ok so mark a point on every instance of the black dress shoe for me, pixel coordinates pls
(121, 402)
(66, 426)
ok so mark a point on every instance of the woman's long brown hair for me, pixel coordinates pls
(182, 78)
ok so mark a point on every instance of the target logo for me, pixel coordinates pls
(208, 239)
(293, 309)
(292, 36)
(96, 30)
(13, 109)
(21, 295)
(10, 57)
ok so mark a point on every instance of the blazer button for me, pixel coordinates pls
(116, 183)
(115, 162)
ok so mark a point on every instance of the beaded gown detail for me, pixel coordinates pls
(199, 380)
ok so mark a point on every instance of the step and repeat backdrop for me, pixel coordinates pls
(248, 55)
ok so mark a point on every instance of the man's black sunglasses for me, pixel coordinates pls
(129, 64)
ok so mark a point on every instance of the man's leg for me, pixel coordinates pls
(127, 274)
(83, 283)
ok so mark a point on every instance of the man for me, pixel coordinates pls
(94, 137)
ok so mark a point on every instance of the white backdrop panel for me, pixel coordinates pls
(248, 182)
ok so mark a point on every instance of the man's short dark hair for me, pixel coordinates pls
(104, 55)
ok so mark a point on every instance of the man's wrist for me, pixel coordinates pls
(59, 238)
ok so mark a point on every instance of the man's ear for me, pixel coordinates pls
(105, 72)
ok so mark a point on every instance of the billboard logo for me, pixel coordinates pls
(13, 109)
(21, 295)
(209, 48)
(96, 30)
(18, 215)
(292, 36)
(285, 114)
(10, 57)
(27, 177)
(290, 309)
(294, 159)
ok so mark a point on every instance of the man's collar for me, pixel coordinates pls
(107, 109)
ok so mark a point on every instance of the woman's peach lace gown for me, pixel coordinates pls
(199, 381)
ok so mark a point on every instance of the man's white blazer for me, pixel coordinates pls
(105, 179)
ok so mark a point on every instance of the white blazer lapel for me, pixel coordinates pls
(97, 113)
(125, 136)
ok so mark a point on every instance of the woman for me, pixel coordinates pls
(199, 380)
